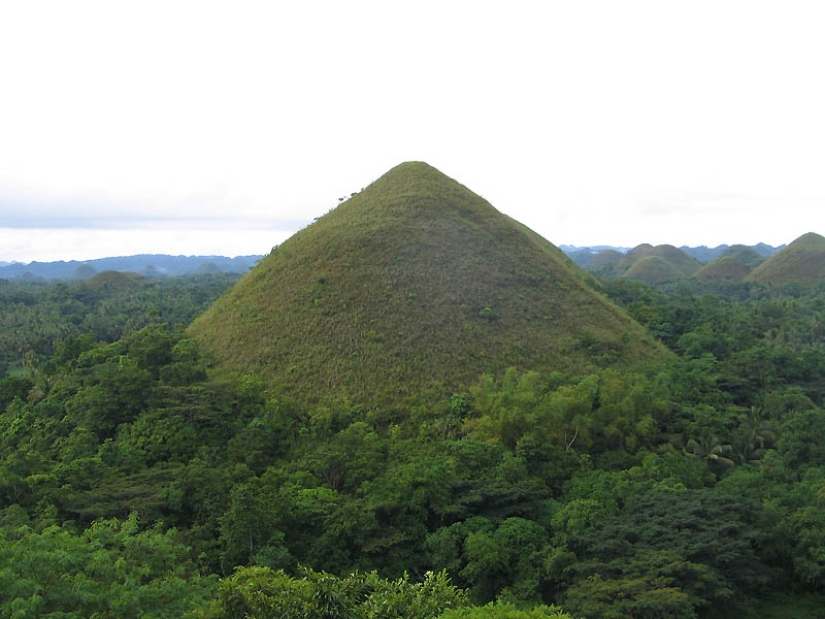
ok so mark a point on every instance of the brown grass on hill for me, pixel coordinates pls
(802, 262)
(414, 284)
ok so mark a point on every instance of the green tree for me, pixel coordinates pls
(261, 593)
(110, 570)
(669, 546)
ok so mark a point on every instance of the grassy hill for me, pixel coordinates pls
(802, 262)
(652, 265)
(604, 263)
(654, 269)
(414, 284)
(114, 279)
(745, 255)
(723, 268)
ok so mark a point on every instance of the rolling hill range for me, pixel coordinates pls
(802, 262)
(414, 284)
(752, 255)
(652, 265)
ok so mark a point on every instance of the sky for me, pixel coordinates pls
(203, 128)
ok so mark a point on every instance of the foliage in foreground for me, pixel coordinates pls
(113, 569)
(260, 593)
(693, 488)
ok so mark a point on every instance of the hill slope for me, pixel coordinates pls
(802, 262)
(415, 283)
(744, 255)
(654, 269)
(652, 265)
(723, 268)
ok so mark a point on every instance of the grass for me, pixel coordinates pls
(653, 269)
(414, 284)
(724, 267)
(653, 265)
(745, 255)
(114, 279)
(802, 262)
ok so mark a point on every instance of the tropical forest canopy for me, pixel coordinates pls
(416, 407)
(133, 485)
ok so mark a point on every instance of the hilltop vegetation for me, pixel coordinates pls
(751, 256)
(652, 265)
(416, 283)
(726, 267)
(802, 262)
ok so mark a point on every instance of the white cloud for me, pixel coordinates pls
(53, 244)
(563, 115)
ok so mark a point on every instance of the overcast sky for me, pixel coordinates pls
(221, 128)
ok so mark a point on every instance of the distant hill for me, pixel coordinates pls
(583, 256)
(654, 269)
(604, 263)
(766, 250)
(207, 268)
(415, 284)
(84, 271)
(681, 263)
(652, 265)
(154, 265)
(802, 262)
(705, 254)
(114, 279)
(745, 255)
(723, 268)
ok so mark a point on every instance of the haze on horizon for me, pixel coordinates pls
(199, 128)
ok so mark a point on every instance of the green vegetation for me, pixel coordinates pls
(112, 569)
(652, 265)
(413, 284)
(802, 262)
(683, 479)
(744, 255)
(725, 267)
(691, 487)
(114, 279)
(38, 317)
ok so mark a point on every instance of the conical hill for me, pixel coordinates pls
(652, 265)
(802, 262)
(654, 269)
(744, 255)
(659, 264)
(414, 284)
(723, 268)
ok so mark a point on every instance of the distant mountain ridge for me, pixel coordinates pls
(583, 255)
(151, 265)
(158, 265)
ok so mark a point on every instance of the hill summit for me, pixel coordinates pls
(802, 262)
(414, 284)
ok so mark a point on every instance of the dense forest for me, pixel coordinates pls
(134, 485)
